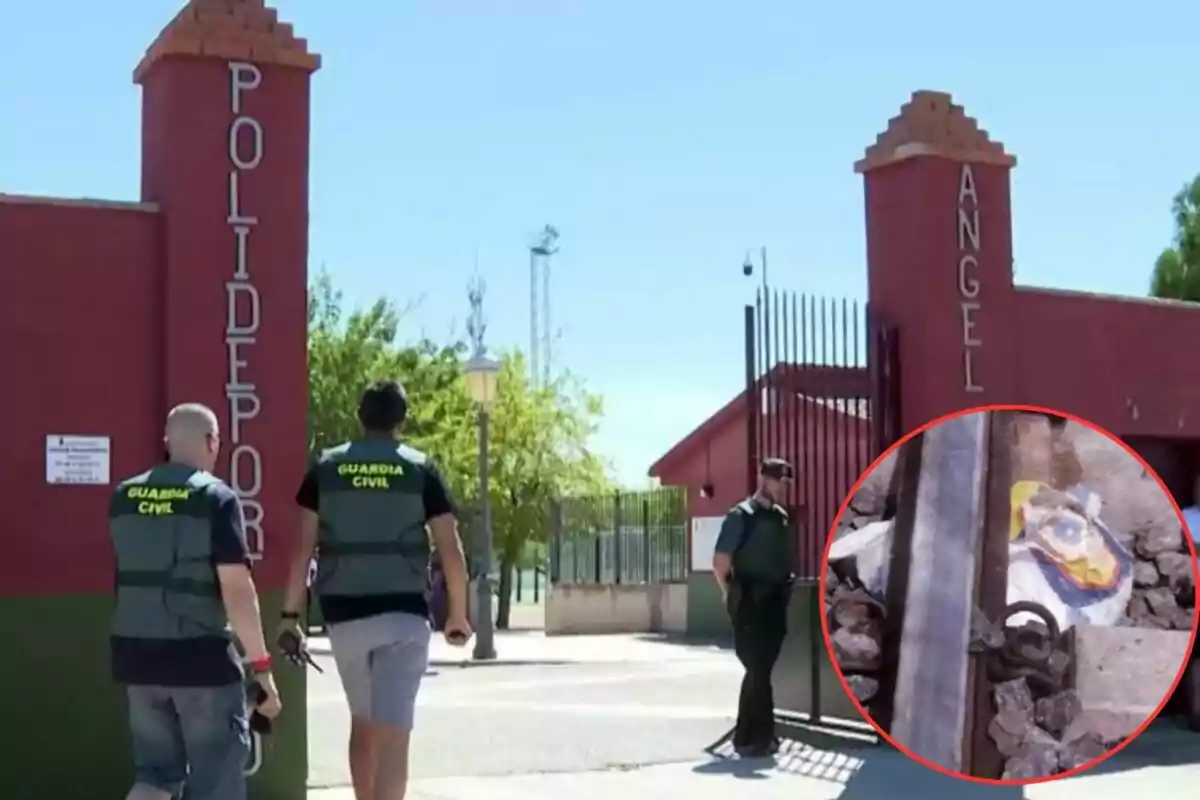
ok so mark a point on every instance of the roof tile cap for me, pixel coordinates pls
(930, 124)
(230, 30)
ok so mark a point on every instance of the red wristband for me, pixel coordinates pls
(260, 665)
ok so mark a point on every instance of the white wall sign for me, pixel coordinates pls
(704, 541)
(78, 460)
(243, 314)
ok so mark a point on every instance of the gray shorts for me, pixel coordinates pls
(381, 661)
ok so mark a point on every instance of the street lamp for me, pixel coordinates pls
(482, 374)
(748, 267)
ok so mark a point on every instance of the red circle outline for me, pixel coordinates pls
(822, 582)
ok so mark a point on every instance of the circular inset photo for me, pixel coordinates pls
(1009, 594)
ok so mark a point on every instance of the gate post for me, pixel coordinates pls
(939, 256)
(617, 537)
(225, 104)
(555, 541)
(646, 542)
(753, 403)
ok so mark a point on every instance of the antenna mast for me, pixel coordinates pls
(545, 244)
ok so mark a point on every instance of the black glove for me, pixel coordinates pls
(296, 651)
(258, 723)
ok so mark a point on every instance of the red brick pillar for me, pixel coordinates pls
(225, 131)
(939, 256)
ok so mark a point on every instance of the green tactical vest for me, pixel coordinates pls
(161, 530)
(765, 551)
(372, 520)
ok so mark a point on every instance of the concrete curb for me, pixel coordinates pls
(447, 663)
(507, 662)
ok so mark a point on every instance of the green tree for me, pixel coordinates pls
(1177, 271)
(539, 437)
(539, 454)
(346, 351)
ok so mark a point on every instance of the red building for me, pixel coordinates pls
(111, 313)
(711, 460)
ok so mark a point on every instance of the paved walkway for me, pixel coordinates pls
(699, 781)
(1163, 764)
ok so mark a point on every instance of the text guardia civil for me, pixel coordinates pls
(243, 314)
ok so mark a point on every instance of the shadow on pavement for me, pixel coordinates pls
(746, 768)
(868, 770)
(865, 768)
(725, 762)
(699, 643)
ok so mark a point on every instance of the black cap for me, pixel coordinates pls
(776, 468)
(383, 406)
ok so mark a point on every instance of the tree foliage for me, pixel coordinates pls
(539, 436)
(346, 351)
(539, 454)
(1177, 270)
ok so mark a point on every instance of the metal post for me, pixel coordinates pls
(534, 327)
(618, 549)
(485, 638)
(930, 705)
(647, 541)
(556, 544)
(764, 265)
(753, 403)
(598, 538)
(548, 336)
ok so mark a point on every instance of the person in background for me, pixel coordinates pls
(365, 506)
(754, 564)
(1191, 514)
(184, 592)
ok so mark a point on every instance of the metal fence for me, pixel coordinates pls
(623, 537)
(822, 392)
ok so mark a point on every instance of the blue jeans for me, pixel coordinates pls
(198, 737)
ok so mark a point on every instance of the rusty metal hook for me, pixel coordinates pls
(1021, 652)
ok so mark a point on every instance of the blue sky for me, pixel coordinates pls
(664, 139)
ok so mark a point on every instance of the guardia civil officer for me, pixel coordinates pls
(365, 506)
(184, 592)
(754, 566)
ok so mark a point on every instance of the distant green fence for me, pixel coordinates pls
(618, 538)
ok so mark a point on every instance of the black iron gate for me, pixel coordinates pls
(822, 389)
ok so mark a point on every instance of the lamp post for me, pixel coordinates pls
(482, 374)
(748, 266)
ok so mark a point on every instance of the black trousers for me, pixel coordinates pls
(759, 615)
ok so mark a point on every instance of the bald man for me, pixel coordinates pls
(185, 599)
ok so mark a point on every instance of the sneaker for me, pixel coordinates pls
(758, 750)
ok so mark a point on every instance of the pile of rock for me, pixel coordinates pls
(856, 635)
(1164, 589)
(1035, 733)
(855, 617)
